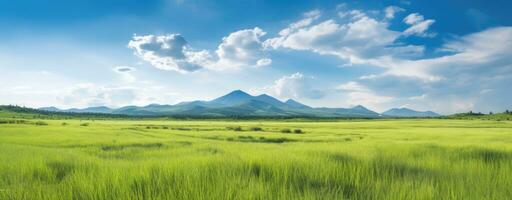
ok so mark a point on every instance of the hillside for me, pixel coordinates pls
(473, 116)
(9, 111)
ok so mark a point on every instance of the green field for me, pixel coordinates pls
(172, 159)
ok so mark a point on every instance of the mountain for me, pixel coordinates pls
(270, 100)
(357, 111)
(239, 104)
(51, 109)
(406, 112)
(99, 109)
(236, 97)
(294, 104)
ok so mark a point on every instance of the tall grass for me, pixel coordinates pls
(406, 159)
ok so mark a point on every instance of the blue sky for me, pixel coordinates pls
(445, 56)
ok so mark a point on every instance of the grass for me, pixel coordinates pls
(163, 159)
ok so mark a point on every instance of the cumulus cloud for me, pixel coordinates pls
(172, 52)
(294, 86)
(419, 25)
(361, 40)
(241, 49)
(353, 14)
(263, 62)
(390, 11)
(167, 52)
(309, 18)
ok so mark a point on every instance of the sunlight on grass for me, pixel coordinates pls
(366, 159)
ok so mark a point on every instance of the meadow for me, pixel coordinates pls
(255, 159)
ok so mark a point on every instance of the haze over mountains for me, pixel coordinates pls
(406, 112)
(240, 104)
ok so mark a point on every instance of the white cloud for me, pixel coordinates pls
(167, 52)
(264, 62)
(420, 97)
(357, 41)
(357, 14)
(419, 25)
(309, 17)
(353, 86)
(477, 54)
(294, 86)
(171, 52)
(390, 11)
(241, 49)
(413, 18)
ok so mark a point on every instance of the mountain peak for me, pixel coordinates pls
(264, 95)
(291, 101)
(233, 98)
(360, 107)
(237, 92)
(268, 99)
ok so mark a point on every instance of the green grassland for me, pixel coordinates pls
(254, 159)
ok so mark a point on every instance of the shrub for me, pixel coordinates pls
(248, 137)
(297, 131)
(256, 129)
(41, 123)
(286, 130)
(84, 124)
(64, 124)
(234, 128)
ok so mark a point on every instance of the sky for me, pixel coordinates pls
(444, 56)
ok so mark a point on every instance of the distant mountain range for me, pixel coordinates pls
(240, 104)
(405, 112)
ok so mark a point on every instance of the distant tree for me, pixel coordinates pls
(507, 111)
(490, 113)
